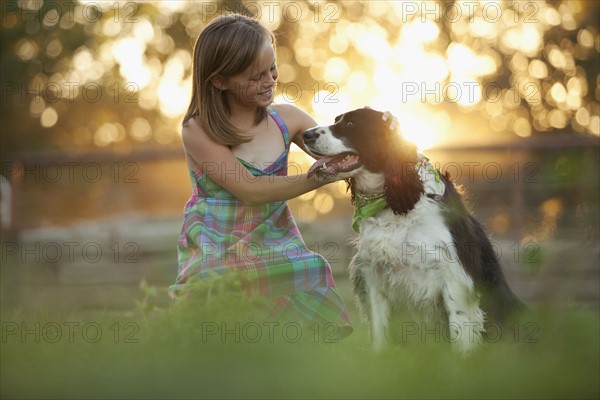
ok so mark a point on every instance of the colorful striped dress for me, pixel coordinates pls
(220, 233)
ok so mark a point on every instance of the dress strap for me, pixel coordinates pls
(282, 126)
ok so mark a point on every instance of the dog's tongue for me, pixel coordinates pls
(319, 164)
(335, 164)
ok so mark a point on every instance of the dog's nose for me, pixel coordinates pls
(311, 135)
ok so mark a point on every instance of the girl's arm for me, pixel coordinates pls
(219, 163)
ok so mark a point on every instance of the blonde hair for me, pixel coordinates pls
(227, 46)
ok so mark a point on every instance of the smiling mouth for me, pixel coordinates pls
(266, 92)
(343, 162)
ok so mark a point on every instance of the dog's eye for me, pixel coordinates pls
(349, 124)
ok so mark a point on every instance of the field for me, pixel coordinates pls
(78, 326)
(62, 346)
(199, 351)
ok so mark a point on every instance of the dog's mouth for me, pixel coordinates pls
(343, 162)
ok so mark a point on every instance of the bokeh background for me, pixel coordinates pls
(502, 94)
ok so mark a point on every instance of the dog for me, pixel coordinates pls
(419, 248)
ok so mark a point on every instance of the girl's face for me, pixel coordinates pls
(254, 87)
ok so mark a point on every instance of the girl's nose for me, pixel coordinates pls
(270, 82)
(274, 74)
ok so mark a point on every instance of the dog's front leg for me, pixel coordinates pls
(379, 316)
(371, 301)
(465, 318)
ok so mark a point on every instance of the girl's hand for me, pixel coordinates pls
(391, 120)
(326, 177)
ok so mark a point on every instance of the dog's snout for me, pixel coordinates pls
(311, 135)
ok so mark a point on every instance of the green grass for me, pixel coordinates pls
(179, 352)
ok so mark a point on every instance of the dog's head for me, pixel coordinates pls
(360, 147)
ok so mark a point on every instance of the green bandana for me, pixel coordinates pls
(367, 208)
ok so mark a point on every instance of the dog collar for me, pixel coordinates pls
(365, 206)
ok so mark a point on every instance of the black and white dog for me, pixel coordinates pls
(419, 249)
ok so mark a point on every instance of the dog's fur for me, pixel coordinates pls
(424, 252)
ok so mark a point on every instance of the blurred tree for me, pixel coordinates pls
(86, 75)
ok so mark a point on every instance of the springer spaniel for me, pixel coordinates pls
(419, 249)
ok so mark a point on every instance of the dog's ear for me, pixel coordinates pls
(403, 187)
(338, 118)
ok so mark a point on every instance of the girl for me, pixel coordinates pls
(236, 146)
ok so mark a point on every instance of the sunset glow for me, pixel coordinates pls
(410, 70)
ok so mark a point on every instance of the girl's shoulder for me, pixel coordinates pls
(285, 110)
(296, 120)
(191, 129)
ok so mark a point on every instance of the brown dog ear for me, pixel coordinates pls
(403, 187)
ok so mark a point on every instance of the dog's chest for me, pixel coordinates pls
(419, 239)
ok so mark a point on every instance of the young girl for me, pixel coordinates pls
(236, 147)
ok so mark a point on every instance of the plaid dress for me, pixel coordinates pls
(220, 233)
